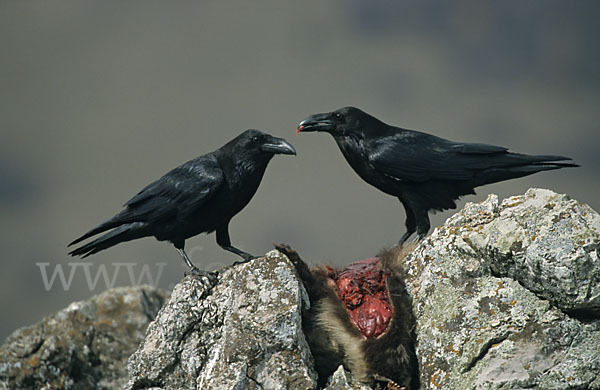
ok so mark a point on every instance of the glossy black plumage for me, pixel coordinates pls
(199, 196)
(425, 172)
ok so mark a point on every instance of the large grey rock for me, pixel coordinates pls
(84, 346)
(507, 296)
(342, 380)
(242, 332)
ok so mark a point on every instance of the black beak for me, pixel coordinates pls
(278, 146)
(317, 122)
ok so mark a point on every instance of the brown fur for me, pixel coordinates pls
(334, 340)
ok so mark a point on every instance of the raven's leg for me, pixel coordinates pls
(185, 258)
(411, 222)
(225, 242)
(423, 223)
(193, 270)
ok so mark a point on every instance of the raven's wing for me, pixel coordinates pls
(419, 157)
(186, 187)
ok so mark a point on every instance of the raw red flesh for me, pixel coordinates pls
(362, 288)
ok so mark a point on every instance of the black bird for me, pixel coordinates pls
(200, 196)
(423, 171)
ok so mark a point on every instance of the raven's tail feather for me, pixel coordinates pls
(127, 232)
(494, 175)
(118, 220)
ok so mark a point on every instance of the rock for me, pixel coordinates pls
(507, 296)
(243, 332)
(84, 346)
(342, 380)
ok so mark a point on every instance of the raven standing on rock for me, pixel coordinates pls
(200, 196)
(425, 172)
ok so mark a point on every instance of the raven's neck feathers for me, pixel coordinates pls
(373, 126)
(243, 164)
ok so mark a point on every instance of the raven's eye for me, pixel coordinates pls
(337, 115)
(256, 139)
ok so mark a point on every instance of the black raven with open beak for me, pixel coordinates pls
(423, 171)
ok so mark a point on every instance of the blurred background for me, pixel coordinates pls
(99, 98)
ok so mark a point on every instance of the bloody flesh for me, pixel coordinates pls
(362, 288)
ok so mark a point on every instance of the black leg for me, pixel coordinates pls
(411, 223)
(423, 224)
(193, 270)
(225, 242)
(185, 258)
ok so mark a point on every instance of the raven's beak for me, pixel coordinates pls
(317, 122)
(278, 146)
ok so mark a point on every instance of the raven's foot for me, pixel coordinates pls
(420, 237)
(246, 259)
(196, 272)
(405, 237)
(415, 240)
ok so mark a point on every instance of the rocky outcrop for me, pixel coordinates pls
(342, 380)
(506, 296)
(243, 331)
(84, 346)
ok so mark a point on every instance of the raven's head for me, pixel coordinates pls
(257, 142)
(340, 122)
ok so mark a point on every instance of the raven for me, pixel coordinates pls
(423, 171)
(200, 196)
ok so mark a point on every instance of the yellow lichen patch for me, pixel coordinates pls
(451, 348)
(534, 237)
(438, 380)
(513, 302)
(500, 286)
(105, 321)
(34, 361)
(514, 204)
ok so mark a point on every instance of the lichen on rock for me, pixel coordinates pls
(83, 346)
(243, 332)
(507, 296)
